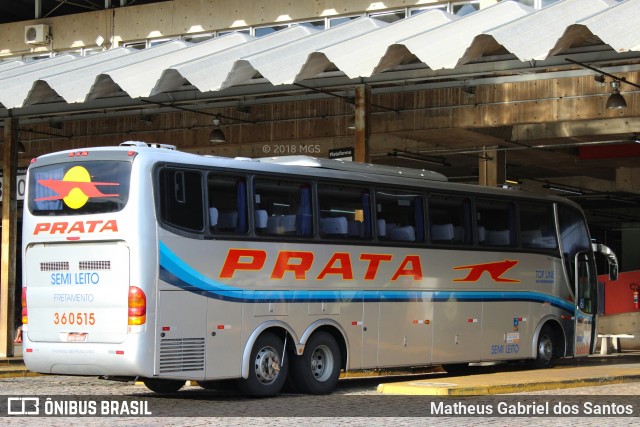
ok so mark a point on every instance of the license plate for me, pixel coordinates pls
(77, 337)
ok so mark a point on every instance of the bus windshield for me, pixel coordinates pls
(79, 188)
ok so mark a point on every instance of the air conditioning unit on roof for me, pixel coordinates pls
(36, 34)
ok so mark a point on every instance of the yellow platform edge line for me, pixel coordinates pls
(421, 390)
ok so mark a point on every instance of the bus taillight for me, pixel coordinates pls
(25, 317)
(137, 306)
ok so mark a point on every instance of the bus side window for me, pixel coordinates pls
(282, 208)
(400, 215)
(181, 198)
(345, 211)
(227, 203)
(537, 226)
(449, 220)
(497, 220)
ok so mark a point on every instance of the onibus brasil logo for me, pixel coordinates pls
(75, 188)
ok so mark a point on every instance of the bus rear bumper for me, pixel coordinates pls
(80, 359)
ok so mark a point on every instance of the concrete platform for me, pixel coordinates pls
(594, 371)
(14, 366)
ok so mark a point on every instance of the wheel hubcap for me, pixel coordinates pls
(322, 363)
(267, 365)
(545, 349)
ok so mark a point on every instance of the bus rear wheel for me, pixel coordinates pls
(318, 369)
(268, 367)
(545, 349)
(163, 386)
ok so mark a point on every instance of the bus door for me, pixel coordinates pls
(586, 281)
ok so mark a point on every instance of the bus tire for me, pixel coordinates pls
(545, 349)
(163, 386)
(267, 370)
(318, 369)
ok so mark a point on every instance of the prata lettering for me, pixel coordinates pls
(79, 227)
(298, 264)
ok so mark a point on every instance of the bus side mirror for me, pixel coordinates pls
(611, 259)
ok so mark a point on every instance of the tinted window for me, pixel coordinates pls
(495, 223)
(537, 226)
(227, 204)
(400, 215)
(79, 188)
(450, 220)
(345, 211)
(181, 197)
(282, 207)
(574, 236)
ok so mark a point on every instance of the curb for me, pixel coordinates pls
(17, 373)
(425, 388)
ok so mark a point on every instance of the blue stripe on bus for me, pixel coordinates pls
(176, 272)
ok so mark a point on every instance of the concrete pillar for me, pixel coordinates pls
(9, 234)
(492, 168)
(628, 180)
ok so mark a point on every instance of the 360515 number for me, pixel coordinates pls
(74, 318)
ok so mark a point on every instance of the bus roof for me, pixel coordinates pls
(299, 164)
(348, 166)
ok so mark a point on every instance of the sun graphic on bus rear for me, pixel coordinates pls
(75, 188)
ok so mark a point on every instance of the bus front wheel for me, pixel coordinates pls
(163, 386)
(268, 367)
(545, 350)
(318, 369)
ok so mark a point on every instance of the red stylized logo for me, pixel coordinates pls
(495, 270)
(75, 188)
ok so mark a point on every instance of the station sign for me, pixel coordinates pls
(21, 183)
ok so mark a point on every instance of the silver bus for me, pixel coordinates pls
(145, 263)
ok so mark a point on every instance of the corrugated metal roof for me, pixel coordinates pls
(617, 26)
(295, 56)
(139, 79)
(537, 35)
(364, 48)
(211, 72)
(364, 55)
(446, 45)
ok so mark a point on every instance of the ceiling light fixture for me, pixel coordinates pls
(217, 136)
(616, 100)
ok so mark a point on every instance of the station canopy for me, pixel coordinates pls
(506, 39)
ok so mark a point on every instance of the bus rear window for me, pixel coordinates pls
(79, 188)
